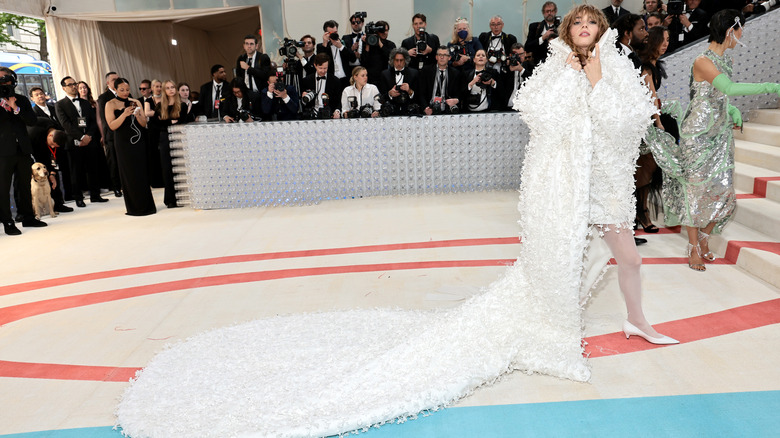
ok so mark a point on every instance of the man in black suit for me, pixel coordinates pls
(614, 11)
(399, 83)
(213, 94)
(519, 71)
(307, 60)
(497, 45)
(242, 105)
(688, 26)
(422, 38)
(48, 142)
(441, 86)
(355, 40)
(41, 106)
(16, 114)
(632, 36)
(279, 101)
(253, 66)
(107, 134)
(541, 33)
(374, 57)
(322, 83)
(340, 56)
(81, 127)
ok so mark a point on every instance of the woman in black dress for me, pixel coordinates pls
(125, 117)
(170, 111)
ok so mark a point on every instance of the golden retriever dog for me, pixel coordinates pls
(41, 192)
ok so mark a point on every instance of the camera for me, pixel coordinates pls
(495, 56)
(243, 114)
(515, 59)
(325, 112)
(334, 36)
(422, 43)
(455, 53)
(372, 29)
(439, 106)
(675, 7)
(289, 48)
(308, 97)
(485, 76)
(361, 15)
(7, 86)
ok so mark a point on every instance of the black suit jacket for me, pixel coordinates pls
(535, 31)
(13, 128)
(699, 19)
(427, 80)
(206, 102)
(250, 103)
(507, 39)
(276, 106)
(40, 146)
(108, 135)
(346, 54)
(69, 115)
(431, 41)
(40, 113)
(376, 60)
(309, 67)
(387, 80)
(332, 88)
(610, 13)
(259, 71)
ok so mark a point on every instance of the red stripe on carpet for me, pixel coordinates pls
(40, 284)
(21, 311)
(734, 246)
(759, 187)
(28, 370)
(690, 329)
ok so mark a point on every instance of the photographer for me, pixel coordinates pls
(252, 66)
(376, 50)
(356, 39)
(614, 11)
(463, 46)
(653, 7)
(482, 84)
(497, 43)
(541, 33)
(686, 23)
(398, 85)
(243, 105)
(339, 55)
(441, 86)
(318, 89)
(519, 71)
(307, 60)
(422, 45)
(279, 101)
(360, 99)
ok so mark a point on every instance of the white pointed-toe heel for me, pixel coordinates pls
(630, 329)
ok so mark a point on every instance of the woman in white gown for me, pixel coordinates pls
(329, 373)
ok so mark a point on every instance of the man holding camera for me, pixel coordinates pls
(279, 102)
(399, 84)
(441, 86)
(519, 71)
(339, 55)
(319, 89)
(541, 33)
(356, 39)
(497, 44)
(16, 114)
(376, 51)
(307, 60)
(422, 45)
(686, 22)
(252, 66)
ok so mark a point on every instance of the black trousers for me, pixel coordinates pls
(113, 166)
(84, 164)
(19, 164)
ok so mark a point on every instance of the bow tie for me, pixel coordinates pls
(399, 72)
(320, 78)
(495, 37)
(75, 99)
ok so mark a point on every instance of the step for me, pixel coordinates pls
(762, 215)
(765, 116)
(745, 175)
(759, 133)
(757, 154)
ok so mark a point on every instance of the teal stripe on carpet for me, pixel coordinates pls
(741, 414)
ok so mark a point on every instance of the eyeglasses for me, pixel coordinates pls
(357, 22)
(71, 85)
(143, 88)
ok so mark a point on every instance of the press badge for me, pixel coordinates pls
(216, 104)
(82, 122)
(54, 165)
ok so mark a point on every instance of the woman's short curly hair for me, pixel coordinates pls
(580, 11)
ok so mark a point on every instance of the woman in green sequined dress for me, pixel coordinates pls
(699, 189)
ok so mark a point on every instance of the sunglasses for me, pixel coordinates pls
(356, 22)
(143, 88)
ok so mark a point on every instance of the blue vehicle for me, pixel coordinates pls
(30, 73)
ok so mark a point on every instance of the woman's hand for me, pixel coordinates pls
(574, 61)
(593, 67)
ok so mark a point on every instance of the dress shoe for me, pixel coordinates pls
(32, 222)
(62, 209)
(172, 205)
(639, 241)
(630, 329)
(10, 229)
(98, 199)
(80, 203)
(118, 193)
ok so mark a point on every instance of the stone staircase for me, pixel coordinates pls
(757, 182)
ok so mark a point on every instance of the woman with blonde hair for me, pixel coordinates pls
(170, 111)
(463, 46)
(359, 95)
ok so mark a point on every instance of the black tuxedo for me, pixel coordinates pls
(431, 41)
(308, 69)
(108, 140)
(83, 159)
(427, 81)
(609, 12)
(375, 60)
(345, 54)
(333, 88)
(249, 104)
(507, 39)
(387, 80)
(40, 113)
(259, 70)
(699, 18)
(349, 40)
(206, 102)
(631, 55)
(42, 154)
(539, 51)
(15, 150)
(275, 108)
